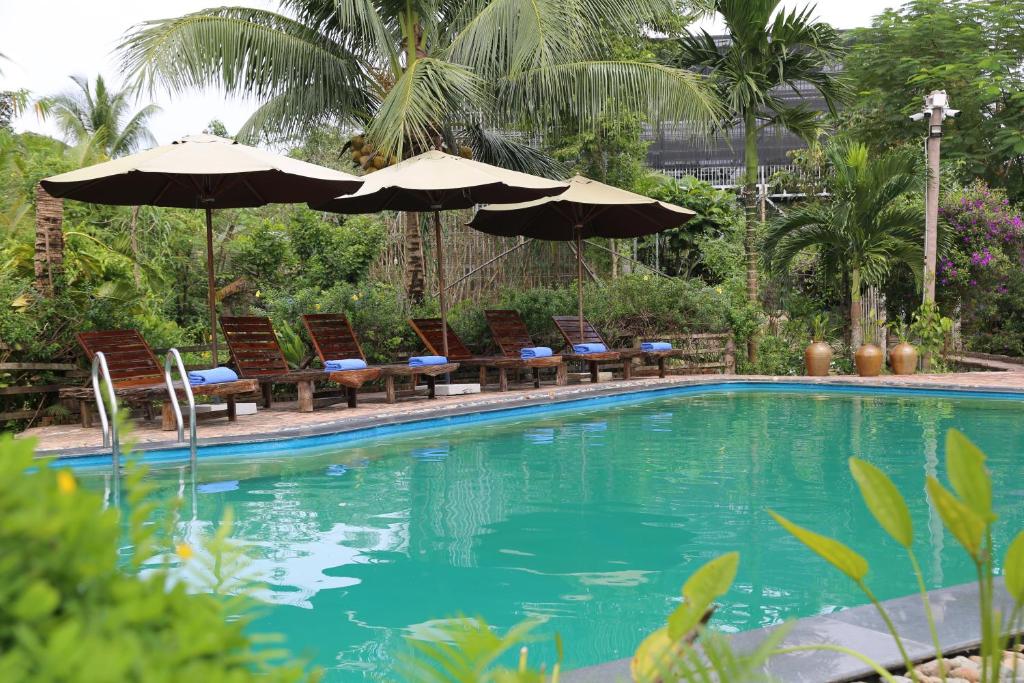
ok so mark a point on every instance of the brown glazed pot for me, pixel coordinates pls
(817, 359)
(903, 359)
(868, 360)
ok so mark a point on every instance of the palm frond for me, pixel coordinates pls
(428, 95)
(591, 90)
(493, 147)
(135, 134)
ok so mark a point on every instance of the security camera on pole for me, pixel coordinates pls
(936, 110)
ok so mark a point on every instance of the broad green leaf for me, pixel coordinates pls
(884, 501)
(837, 554)
(710, 581)
(1013, 569)
(967, 474)
(966, 526)
(713, 579)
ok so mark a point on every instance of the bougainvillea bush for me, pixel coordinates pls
(979, 272)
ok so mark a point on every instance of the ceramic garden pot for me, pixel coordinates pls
(903, 359)
(868, 360)
(817, 359)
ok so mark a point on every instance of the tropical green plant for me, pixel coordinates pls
(931, 328)
(967, 513)
(901, 329)
(420, 75)
(863, 230)
(820, 327)
(74, 607)
(94, 114)
(767, 52)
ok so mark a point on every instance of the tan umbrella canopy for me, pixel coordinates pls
(207, 172)
(435, 181)
(587, 209)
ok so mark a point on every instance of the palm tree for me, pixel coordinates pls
(422, 74)
(864, 229)
(765, 56)
(99, 117)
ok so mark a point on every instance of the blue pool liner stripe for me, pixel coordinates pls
(292, 446)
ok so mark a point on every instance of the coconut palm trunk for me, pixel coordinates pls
(856, 311)
(415, 287)
(750, 209)
(49, 246)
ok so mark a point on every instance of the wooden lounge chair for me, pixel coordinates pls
(334, 338)
(257, 355)
(569, 326)
(510, 333)
(138, 377)
(429, 332)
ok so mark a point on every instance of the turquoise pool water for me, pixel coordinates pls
(589, 519)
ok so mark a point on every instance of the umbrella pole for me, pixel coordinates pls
(440, 282)
(211, 284)
(579, 277)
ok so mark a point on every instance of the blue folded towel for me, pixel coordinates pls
(535, 352)
(418, 361)
(655, 346)
(344, 364)
(589, 348)
(212, 376)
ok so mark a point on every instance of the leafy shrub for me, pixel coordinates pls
(70, 612)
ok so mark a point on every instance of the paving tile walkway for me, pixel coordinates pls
(283, 420)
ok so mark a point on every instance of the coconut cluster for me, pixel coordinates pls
(367, 157)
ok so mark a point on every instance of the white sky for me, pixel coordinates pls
(48, 40)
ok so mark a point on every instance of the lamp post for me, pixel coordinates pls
(936, 109)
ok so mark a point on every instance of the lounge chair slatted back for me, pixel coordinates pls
(254, 346)
(569, 327)
(130, 360)
(429, 332)
(509, 331)
(332, 336)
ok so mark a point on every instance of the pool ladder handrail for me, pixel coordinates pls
(109, 426)
(172, 354)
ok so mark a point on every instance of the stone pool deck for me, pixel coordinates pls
(862, 629)
(283, 421)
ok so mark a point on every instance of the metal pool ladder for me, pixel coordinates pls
(111, 438)
(172, 354)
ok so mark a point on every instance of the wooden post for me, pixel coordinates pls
(579, 277)
(211, 286)
(730, 356)
(48, 260)
(595, 372)
(561, 375)
(536, 378)
(352, 393)
(389, 389)
(627, 368)
(440, 282)
(502, 379)
(483, 376)
(305, 396)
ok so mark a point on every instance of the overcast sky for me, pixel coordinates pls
(48, 40)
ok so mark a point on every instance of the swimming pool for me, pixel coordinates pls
(590, 517)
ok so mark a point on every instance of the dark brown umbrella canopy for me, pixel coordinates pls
(587, 209)
(202, 171)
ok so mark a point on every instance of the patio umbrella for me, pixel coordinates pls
(587, 209)
(202, 171)
(435, 181)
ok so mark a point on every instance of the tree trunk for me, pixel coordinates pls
(49, 247)
(614, 244)
(133, 235)
(750, 209)
(415, 288)
(856, 312)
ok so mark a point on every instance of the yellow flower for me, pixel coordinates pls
(646, 278)
(258, 295)
(355, 297)
(317, 307)
(718, 289)
(66, 482)
(184, 551)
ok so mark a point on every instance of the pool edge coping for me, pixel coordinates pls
(382, 424)
(857, 627)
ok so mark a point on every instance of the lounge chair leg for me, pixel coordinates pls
(167, 421)
(305, 396)
(232, 408)
(661, 366)
(483, 376)
(627, 368)
(536, 378)
(561, 375)
(389, 389)
(352, 392)
(595, 375)
(502, 379)
(431, 381)
(85, 412)
(268, 396)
